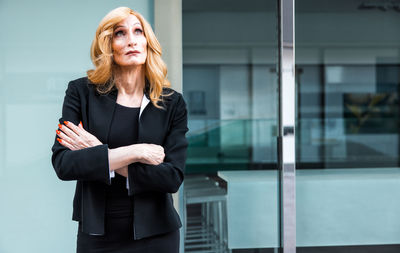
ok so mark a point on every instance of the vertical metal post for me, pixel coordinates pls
(287, 157)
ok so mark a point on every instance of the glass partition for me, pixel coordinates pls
(348, 76)
(230, 84)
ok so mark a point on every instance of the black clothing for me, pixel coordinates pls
(119, 221)
(109, 243)
(124, 126)
(149, 185)
(123, 132)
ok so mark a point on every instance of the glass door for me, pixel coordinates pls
(348, 76)
(230, 83)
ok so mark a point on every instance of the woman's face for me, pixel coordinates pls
(129, 44)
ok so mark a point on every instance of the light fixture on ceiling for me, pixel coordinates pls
(382, 5)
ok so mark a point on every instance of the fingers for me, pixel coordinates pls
(70, 136)
(157, 148)
(76, 137)
(63, 136)
(153, 154)
(67, 131)
(77, 130)
(161, 155)
(85, 138)
(76, 133)
(66, 144)
(66, 141)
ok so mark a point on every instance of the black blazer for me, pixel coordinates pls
(150, 185)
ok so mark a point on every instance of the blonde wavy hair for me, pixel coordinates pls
(102, 56)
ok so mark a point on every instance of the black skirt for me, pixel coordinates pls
(119, 239)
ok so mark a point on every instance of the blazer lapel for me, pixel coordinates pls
(101, 114)
(145, 102)
(143, 105)
(145, 99)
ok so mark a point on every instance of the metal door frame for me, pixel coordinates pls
(287, 117)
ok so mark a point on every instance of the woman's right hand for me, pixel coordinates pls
(150, 153)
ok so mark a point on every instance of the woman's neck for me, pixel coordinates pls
(130, 81)
(130, 84)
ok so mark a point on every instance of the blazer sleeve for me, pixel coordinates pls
(85, 164)
(167, 176)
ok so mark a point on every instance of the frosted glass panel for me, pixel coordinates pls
(44, 44)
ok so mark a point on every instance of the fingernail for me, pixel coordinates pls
(58, 131)
(80, 122)
(59, 126)
(66, 123)
(59, 140)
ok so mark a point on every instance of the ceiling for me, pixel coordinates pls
(271, 5)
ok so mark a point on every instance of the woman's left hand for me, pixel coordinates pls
(75, 137)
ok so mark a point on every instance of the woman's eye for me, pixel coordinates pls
(119, 33)
(138, 31)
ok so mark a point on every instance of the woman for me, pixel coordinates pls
(122, 137)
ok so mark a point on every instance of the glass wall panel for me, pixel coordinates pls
(230, 55)
(44, 44)
(348, 76)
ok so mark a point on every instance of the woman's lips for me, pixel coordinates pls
(132, 52)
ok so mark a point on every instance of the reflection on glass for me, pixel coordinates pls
(232, 128)
(232, 123)
(230, 86)
(349, 117)
(348, 76)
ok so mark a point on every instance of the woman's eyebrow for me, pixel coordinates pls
(118, 26)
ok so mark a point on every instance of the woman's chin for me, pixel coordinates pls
(131, 64)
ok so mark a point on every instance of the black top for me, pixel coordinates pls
(123, 132)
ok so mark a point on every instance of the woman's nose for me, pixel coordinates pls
(131, 39)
